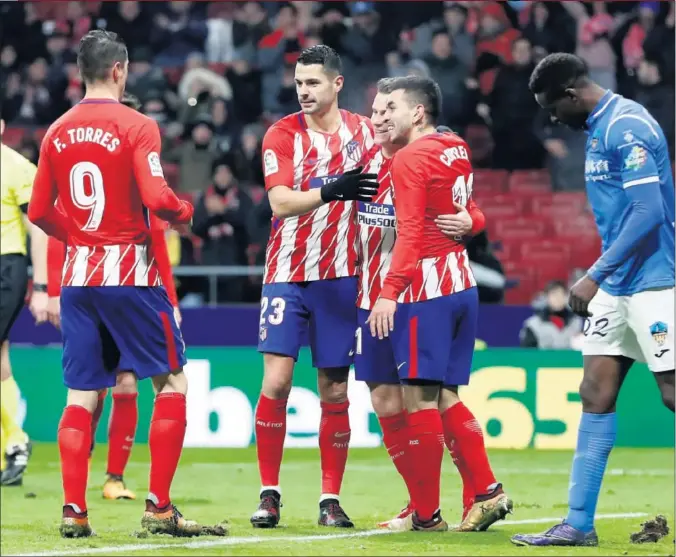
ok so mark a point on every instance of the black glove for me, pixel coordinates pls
(351, 186)
(444, 129)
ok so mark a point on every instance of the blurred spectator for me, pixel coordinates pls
(249, 161)
(198, 78)
(511, 111)
(226, 127)
(155, 107)
(454, 24)
(246, 90)
(220, 221)
(276, 51)
(565, 152)
(494, 39)
(554, 325)
(450, 73)
(658, 43)
(29, 149)
(546, 33)
(144, 78)
(632, 45)
(195, 155)
(594, 34)
(365, 46)
(658, 98)
(177, 33)
(36, 105)
(130, 20)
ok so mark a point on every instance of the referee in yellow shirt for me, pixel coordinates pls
(16, 181)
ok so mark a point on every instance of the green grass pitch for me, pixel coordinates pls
(213, 485)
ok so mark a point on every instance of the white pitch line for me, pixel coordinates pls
(245, 540)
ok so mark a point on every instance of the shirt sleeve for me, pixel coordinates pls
(56, 256)
(410, 196)
(478, 217)
(23, 181)
(41, 210)
(161, 255)
(277, 158)
(156, 195)
(634, 141)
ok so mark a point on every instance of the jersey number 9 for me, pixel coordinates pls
(87, 192)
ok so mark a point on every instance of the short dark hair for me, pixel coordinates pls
(557, 72)
(555, 285)
(99, 51)
(384, 85)
(421, 90)
(131, 101)
(323, 55)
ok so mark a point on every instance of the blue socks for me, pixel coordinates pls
(595, 439)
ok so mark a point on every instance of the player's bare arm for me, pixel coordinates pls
(39, 297)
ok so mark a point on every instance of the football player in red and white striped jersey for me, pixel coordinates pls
(312, 162)
(430, 286)
(101, 160)
(374, 358)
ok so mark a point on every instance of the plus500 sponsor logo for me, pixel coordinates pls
(376, 214)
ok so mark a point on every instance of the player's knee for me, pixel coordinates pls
(86, 399)
(171, 383)
(277, 376)
(387, 400)
(125, 383)
(5, 366)
(595, 397)
(332, 385)
(448, 398)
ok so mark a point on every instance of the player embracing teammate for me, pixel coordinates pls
(312, 162)
(425, 315)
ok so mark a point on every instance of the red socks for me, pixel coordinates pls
(426, 446)
(74, 439)
(463, 433)
(123, 421)
(334, 440)
(167, 431)
(270, 434)
(395, 439)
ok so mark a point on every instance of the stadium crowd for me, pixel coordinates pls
(216, 74)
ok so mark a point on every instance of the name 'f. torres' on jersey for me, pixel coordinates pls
(322, 244)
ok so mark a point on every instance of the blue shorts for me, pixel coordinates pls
(324, 308)
(434, 340)
(108, 328)
(373, 357)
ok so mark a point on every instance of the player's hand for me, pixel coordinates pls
(459, 224)
(351, 186)
(54, 311)
(581, 294)
(381, 319)
(556, 148)
(38, 306)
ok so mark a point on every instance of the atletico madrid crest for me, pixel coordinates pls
(263, 333)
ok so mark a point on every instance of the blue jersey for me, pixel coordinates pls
(631, 191)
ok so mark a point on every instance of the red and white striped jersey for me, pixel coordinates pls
(428, 175)
(322, 244)
(377, 231)
(115, 265)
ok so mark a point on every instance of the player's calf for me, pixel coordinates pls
(665, 381)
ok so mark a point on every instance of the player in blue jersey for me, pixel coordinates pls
(628, 294)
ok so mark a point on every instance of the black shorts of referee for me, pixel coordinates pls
(13, 285)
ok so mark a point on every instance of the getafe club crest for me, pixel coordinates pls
(354, 150)
(628, 136)
(659, 331)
